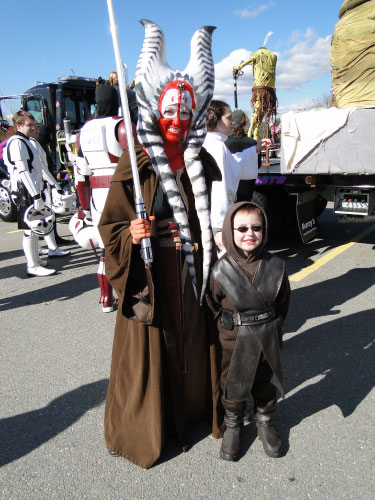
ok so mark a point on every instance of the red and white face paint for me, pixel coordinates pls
(175, 106)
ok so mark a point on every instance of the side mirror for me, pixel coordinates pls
(4, 125)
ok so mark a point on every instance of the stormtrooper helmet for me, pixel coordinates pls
(62, 203)
(39, 221)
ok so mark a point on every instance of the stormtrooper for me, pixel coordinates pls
(61, 203)
(100, 144)
(27, 176)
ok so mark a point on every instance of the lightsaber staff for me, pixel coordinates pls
(236, 74)
(146, 250)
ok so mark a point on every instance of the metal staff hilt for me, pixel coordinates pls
(146, 251)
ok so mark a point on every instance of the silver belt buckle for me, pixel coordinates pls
(237, 318)
(262, 316)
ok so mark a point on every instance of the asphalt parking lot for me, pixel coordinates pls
(55, 359)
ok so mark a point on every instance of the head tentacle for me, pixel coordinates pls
(152, 75)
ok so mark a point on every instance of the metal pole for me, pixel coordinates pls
(235, 91)
(140, 209)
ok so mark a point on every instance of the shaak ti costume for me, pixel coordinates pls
(164, 372)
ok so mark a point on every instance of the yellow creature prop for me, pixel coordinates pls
(263, 100)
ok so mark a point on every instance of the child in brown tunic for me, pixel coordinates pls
(249, 295)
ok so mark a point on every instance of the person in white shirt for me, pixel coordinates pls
(233, 167)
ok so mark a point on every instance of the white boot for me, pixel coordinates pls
(53, 249)
(30, 248)
(41, 262)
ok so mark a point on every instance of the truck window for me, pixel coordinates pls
(78, 112)
(70, 111)
(34, 107)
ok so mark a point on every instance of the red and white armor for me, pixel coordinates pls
(102, 142)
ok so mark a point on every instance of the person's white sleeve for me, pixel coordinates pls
(48, 177)
(219, 198)
(20, 156)
(26, 179)
(248, 163)
(43, 156)
(219, 204)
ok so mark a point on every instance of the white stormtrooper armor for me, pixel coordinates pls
(102, 142)
(24, 165)
(26, 169)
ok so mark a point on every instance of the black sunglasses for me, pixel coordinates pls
(244, 229)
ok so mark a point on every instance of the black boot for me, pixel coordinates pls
(230, 447)
(59, 240)
(267, 432)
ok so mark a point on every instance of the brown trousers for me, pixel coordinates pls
(263, 391)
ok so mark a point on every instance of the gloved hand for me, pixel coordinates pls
(15, 198)
(39, 204)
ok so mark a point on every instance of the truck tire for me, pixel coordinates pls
(8, 210)
(321, 204)
(273, 204)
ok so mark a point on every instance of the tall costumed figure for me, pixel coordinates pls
(102, 142)
(263, 99)
(165, 359)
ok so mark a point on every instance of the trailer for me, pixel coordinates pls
(326, 156)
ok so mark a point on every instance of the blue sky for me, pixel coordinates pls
(51, 39)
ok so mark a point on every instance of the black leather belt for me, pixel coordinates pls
(230, 319)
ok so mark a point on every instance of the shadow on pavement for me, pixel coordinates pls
(12, 254)
(24, 433)
(340, 355)
(76, 260)
(59, 291)
(325, 297)
(288, 245)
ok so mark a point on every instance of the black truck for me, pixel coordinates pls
(71, 97)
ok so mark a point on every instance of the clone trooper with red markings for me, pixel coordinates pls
(100, 144)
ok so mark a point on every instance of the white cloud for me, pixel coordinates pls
(304, 61)
(297, 35)
(252, 11)
(224, 74)
(301, 105)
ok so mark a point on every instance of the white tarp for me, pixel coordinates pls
(303, 132)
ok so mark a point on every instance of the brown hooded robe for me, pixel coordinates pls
(153, 387)
(259, 342)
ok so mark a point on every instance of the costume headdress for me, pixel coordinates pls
(152, 76)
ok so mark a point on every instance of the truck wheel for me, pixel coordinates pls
(8, 210)
(320, 206)
(273, 204)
